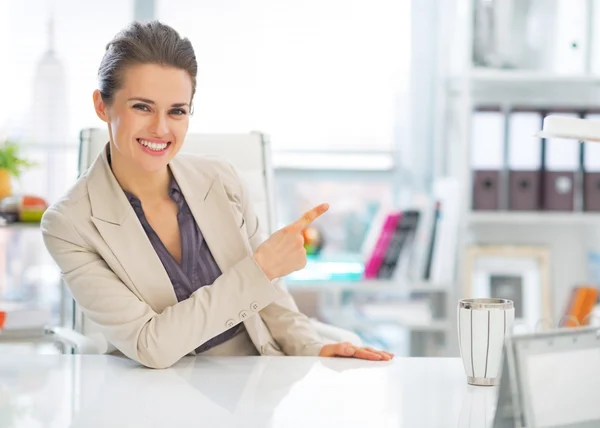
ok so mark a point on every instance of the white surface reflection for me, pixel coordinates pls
(479, 406)
(101, 391)
(35, 391)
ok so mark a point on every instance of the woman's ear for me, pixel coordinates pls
(100, 106)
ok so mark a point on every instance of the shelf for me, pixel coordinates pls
(525, 77)
(26, 335)
(534, 218)
(368, 286)
(20, 225)
(526, 88)
(498, 76)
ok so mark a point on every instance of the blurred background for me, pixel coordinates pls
(414, 119)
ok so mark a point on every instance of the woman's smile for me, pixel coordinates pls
(154, 146)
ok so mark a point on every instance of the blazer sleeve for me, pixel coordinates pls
(156, 340)
(292, 330)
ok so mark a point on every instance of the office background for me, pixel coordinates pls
(379, 108)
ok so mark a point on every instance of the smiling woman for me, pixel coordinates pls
(151, 122)
(147, 79)
(128, 236)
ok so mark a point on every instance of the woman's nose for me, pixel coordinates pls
(160, 125)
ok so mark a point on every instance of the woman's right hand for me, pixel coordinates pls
(283, 252)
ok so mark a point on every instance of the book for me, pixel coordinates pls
(375, 260)
(398, 250)
(443, 267)
(432, 241)
(374, 230)
(419, 248)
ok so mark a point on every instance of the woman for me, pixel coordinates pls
(162, 251)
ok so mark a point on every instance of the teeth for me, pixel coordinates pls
(153, 146)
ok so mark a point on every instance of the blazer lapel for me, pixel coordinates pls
(123, 233)
(212, 210)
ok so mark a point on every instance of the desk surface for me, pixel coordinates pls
(101, 391)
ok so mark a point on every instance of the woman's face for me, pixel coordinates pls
(149, 116)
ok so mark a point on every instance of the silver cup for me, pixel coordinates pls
(482, 326)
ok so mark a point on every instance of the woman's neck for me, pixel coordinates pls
(146, 186)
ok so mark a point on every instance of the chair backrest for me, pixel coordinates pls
(249, 153)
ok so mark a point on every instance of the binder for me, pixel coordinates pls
(524, 160)
(569, 37)
(591, 172)
(487, 157)
(561, 161)
(594, 15)
(570, 359)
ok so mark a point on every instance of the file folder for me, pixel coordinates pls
(569, 38)
(524, 160)
(487, 158)
(591, 172)
(561, 162)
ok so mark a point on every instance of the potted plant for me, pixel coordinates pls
(11, 165)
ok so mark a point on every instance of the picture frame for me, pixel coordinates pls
(517, 273)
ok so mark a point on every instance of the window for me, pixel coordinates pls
(50, 53)
(326, 81)
(47, 90)
(313, 75)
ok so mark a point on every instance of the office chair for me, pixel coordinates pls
(250, 154)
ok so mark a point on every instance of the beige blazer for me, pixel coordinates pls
(118, 281)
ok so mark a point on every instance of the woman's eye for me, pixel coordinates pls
(142, 107)
(178, 112)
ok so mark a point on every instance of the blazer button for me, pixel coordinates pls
(243, 315)
(230, 323)
(254, 306)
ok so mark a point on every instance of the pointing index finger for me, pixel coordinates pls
(309, 216)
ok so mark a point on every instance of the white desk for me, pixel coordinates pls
(107, 391)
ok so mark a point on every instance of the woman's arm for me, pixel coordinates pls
(292, 330)
(153, 339)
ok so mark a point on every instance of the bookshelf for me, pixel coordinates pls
(529, 77)
(535, 218)
(461, 86)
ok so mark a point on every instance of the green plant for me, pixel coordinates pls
(10, 159)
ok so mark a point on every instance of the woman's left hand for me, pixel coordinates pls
(346, 349)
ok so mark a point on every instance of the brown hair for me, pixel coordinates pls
(144, 43)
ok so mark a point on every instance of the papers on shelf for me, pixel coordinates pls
(21, 316)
